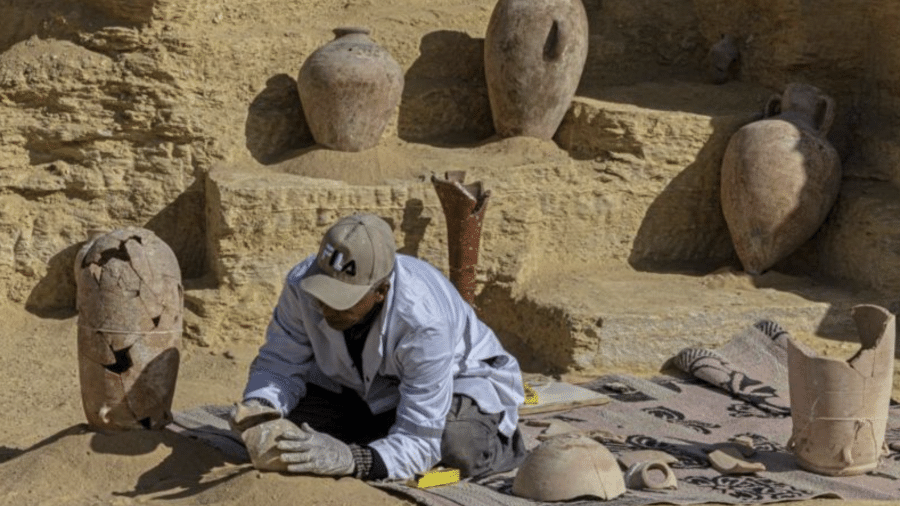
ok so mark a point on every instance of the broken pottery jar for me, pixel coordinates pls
(569, 466)
(839, 408)
(534, 54)
(780, 177)
(130, 301)
(349, 89)
(650, 475)
(464, 207)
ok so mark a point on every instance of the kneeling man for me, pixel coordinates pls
(383, 366)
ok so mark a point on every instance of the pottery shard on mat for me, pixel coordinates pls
(839, 408)
(651, 475)
(569, 466)
(780, 177)
(130, 301)
(729, 460)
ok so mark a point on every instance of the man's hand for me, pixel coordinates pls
(309, 451)
(249, 413)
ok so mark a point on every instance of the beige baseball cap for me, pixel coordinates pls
(356, 252)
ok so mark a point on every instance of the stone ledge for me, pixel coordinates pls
(599, 320)
(861, 240)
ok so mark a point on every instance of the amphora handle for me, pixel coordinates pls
(824, 115)
(558, 38)
(773, 106)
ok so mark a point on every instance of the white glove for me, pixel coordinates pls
(309, 451)
(249, 413)
(262, 443)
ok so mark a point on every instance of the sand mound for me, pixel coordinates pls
(79, 466)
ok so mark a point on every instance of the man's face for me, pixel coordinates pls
(343, 320)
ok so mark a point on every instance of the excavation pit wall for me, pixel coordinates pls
(128, 115)
(573, 233)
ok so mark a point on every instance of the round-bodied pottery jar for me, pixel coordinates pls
(534, 54)
(130, 300)
(349, 89)
(780, 177)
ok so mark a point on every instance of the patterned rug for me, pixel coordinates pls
(739, 390)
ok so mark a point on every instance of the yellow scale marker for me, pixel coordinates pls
(531, 397)
(448, 476)
(435, 478)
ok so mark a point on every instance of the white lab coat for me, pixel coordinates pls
(425, 345)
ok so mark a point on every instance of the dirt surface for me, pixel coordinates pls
(48, 456)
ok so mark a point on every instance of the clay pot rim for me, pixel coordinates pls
(351, 30)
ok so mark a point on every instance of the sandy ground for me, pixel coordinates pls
(48, 456)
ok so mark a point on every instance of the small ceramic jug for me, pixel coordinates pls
(534, 54)
(130, 302)
(780, 177)
(349, 89)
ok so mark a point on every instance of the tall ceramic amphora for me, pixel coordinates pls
(780, 177)
(534, 54)
(349, 89)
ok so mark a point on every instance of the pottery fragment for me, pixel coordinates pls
(569, 466)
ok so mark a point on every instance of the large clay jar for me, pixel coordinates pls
(349, 89)
(534, 54)
(839, 408)
(780, 177)
(130, 301)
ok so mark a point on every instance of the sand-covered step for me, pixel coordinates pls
(631, 178)
(596, 320)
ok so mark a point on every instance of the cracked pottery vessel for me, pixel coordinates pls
(129, 301)
(568, 466)
(839, 408)
(534, 54)
(780, 177)
(464, 206)
(349, 89)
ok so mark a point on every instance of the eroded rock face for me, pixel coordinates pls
(130, 301)
(98, 135)
(132, 11)
(112, 121)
